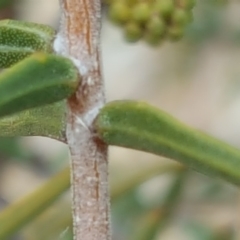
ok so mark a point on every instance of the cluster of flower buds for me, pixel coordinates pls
(151, 20)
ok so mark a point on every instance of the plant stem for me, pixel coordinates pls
(78, 39)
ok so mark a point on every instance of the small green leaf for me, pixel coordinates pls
(20, 39)
(36, 81)
(140, 126)
(47, 121)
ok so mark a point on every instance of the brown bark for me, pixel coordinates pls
(78, 39)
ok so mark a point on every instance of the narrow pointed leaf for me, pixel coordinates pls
(140, 126)
(23, 211)
(155, 221)
(47, 121)
(36, 81)
(20, 39)
(35, 203)
(124, 186)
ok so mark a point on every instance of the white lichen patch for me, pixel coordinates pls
(82, 123)
(60, 47)
(58, 44)
(90, 81)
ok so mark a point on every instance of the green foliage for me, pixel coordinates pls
(153, 221)
(127, 184)
(20, 39)
(199, 232)
(55, 78)
(152, 21)
(45, 121)
(140, 126)
(10, 147)
(5, 3)
(40, 83)
(30, 206)
(16, 215)
(36, 81)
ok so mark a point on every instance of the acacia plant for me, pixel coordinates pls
(59, 76)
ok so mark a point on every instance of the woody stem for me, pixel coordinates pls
(78, 39)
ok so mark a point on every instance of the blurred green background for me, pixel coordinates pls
(197, 80)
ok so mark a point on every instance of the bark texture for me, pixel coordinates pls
(79, 39)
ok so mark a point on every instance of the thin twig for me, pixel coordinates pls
(78, 39)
